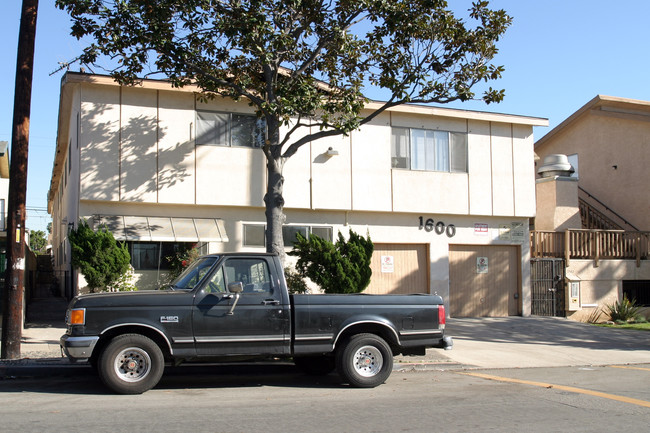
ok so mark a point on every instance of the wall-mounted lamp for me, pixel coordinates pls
(331, 152)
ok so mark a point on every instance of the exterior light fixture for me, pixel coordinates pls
(331, 152)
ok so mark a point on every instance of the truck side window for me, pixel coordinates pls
(253, 273)
(216, 283)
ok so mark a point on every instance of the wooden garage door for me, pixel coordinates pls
(405, 269)
(483, 281)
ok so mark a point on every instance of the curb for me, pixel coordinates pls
(44, 367)
(405, 367)
(50, 367)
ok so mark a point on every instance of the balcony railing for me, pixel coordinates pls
(591, 244)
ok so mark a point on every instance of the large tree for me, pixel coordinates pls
(302, 64)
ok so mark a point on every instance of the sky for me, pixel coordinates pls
(558, 55)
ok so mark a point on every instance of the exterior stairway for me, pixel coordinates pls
(597, 215)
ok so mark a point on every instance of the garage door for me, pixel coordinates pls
(399, 269)
(483, 281)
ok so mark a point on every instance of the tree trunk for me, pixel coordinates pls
(274, 199)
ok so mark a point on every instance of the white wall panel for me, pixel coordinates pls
(524, 170)
(502, 173)
(139, 147)
(480, 168)
(230, 176)
(429, 191)
(331, 175)
(176, 156)
(371, 166)
(100, 132)
(297, 175)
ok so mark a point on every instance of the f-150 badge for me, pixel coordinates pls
(168, 319)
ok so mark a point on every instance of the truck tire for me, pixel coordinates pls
(365, 360)
(131, 364)
(315, 365)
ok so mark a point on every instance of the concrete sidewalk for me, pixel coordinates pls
(509, 342)
(524, 342)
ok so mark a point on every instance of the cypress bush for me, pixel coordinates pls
(343, 267)
(99, 257)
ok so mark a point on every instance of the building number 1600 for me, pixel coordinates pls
(439, 227)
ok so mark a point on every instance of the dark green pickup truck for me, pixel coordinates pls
(232, 307)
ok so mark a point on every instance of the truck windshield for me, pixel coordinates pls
(191, 276)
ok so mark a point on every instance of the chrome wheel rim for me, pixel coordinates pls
(368, 361)
(132, 364)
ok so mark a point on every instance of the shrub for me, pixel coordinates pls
(624, 311)
(343, 267)
(125, 283)
(180, 260)
(295, 283)
(98, 256)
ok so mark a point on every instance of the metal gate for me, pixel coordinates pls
(547, 291)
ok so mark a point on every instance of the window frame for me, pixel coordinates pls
(431, 150)
(257, 125)
(298, 227)
(163, 250)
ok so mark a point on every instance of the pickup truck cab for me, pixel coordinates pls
(232, 307)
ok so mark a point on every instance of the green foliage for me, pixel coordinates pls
(624, 311)
(643, 326)
(343, 267)
(295, 283)
(181, 260)
(297, 59)
(99, 257)
(38, 241)
(124, 283)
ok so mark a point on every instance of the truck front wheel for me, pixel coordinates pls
(365, 361)
(131, 364)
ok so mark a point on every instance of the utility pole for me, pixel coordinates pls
(12, 317)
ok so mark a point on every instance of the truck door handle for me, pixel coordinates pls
(271, 302)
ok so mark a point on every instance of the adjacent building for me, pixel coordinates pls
(595, 221)
(446, 195)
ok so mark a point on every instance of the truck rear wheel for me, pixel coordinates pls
(365, 361)
(131, 364)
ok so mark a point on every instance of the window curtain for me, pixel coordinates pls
(212, 128)
(441, 151)
(458, 152)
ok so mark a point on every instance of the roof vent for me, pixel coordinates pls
(556, 165)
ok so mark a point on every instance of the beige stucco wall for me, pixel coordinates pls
(602, 139)
(557, 204)
(602, 285)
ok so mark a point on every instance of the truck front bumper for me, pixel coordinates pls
(78, 349)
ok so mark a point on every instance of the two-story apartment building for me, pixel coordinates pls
(445, 194)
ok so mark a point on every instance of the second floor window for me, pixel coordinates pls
(429, 150)
(254, 234)
(228, 129)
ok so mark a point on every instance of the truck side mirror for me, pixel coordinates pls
(236, 287)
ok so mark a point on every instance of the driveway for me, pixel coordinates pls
(520, 342)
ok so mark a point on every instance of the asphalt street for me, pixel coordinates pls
(279, 399)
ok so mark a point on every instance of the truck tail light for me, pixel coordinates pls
(442, 318)
(77, 317)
